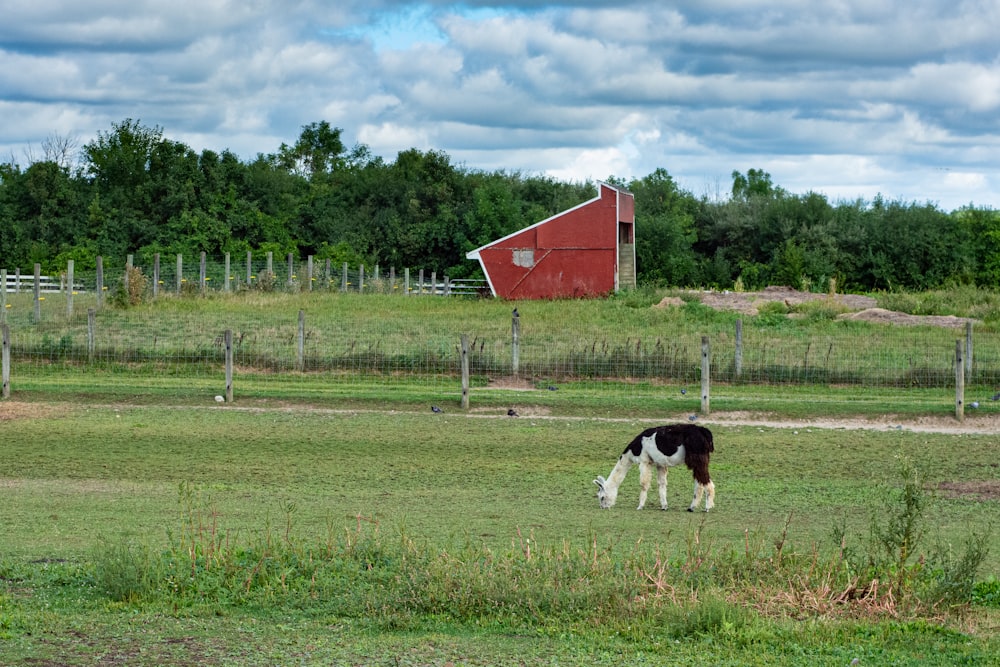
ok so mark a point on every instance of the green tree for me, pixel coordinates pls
(755, 183)
(317, 153)
(665, 232)
(42, 212)
(118, 163)
(983, 226)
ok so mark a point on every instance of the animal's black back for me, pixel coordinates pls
(669, 437)
(697, 441)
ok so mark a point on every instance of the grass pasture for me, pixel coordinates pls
(308, 534)
(328, 516)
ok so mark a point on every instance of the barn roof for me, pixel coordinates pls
(474, 254)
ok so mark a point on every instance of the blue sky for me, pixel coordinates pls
(849, 98)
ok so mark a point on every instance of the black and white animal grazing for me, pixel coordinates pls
(663, 447)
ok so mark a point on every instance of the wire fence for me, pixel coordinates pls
(274, 349)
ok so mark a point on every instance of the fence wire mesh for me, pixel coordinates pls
(274, 350)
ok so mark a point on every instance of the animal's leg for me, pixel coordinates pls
(698, 490)
(710, 499)
(661, 479)
(645, 477)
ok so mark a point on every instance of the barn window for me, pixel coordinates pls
(525, 258)
(625, 232)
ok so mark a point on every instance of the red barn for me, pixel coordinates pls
(588, 250)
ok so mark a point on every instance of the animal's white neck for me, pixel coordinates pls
(617, 474)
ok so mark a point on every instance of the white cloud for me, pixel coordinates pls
(846, 97)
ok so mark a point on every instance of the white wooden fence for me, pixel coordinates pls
(14, 282)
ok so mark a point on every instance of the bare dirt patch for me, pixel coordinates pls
(972, 425)
(982, 490)
(748, 303)
(11, 410)
(510, 383)
(861, 307)
(903, 319)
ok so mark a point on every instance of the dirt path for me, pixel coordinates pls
(973, 424)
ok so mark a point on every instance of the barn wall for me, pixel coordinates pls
(626, 208)
(572, 254)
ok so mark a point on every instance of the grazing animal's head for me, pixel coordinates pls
(605, 495)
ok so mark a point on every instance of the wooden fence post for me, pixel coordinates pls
(100, 281)
(179, 277)
(738, 360)
(406, 282)
(125, 278)
(515, 342)
(300, 359)
(309, 273)
(3, 295)
(959, 382)
(706, 382)
(156, 274)
(69, 290)
(361, 278)
(465, 371)
(91, 334)
(968, 351)
(38, 293)
(291, 269)
(249, 268)
(343, 278)
(203, 272)
(229, 365)
(270, 262)
(5, 363)
(227, 283)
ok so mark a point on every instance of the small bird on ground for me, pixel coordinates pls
(684, 391)
(436, 409)
(515, 313)
(996, 397)
(974, 404)
(511, 413)
(693, 417)
(551, 388)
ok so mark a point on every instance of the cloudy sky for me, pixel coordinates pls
(849, 98)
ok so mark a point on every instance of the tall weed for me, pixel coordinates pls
(894, 554)
(392, 581)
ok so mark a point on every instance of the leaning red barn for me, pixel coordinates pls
(588, 250)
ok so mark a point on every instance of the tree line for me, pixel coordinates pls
(131, 190)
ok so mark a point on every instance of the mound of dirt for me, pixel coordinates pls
(749, 302)
(891, 317)
(862, 307)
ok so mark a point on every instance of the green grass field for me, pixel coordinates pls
(478, 536)
(329, 517)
